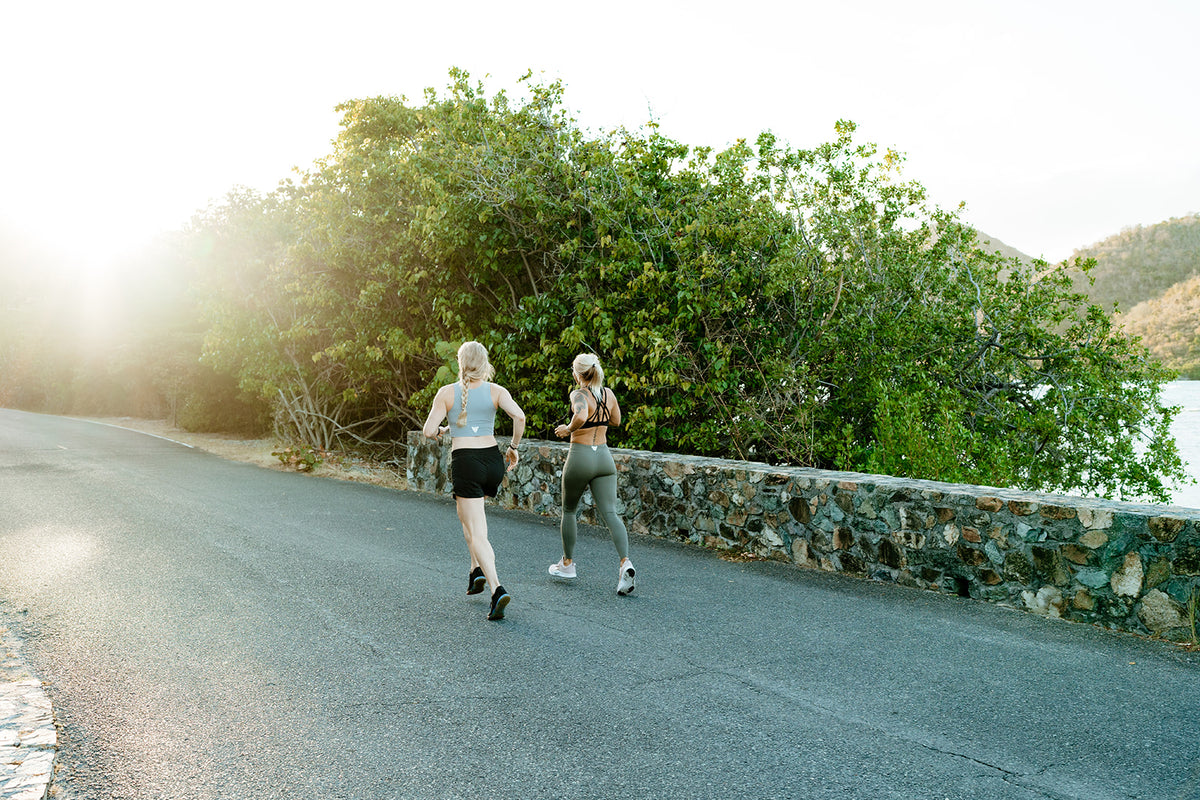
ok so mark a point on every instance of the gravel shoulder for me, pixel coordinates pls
(260, 452)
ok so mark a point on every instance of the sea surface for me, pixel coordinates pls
(1186, 427)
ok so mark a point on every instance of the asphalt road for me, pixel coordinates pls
(210, 629)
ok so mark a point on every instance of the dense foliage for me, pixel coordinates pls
(765, 302)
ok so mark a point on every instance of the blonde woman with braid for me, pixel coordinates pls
(590, 465)
(476, 465)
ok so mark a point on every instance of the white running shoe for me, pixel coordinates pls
(625, 581)
(560, 570)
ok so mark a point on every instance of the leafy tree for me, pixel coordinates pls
(987, 370)
(117, 342)
(805, 306)
(253, 332)
(32, 290)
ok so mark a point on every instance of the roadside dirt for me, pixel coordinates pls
(260, 452)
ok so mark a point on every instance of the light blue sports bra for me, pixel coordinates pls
(481, 414)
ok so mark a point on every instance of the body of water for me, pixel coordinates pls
(1186, 428)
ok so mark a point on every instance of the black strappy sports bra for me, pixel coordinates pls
(602, 415)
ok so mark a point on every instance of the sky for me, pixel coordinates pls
(1057, 122)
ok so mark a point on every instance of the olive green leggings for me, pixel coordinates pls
(593, 466)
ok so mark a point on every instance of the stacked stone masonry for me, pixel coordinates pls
(28, 738)
(1123, 566)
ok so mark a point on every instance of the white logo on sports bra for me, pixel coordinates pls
(475, 428)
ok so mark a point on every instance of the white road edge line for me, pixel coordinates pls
(135, 430)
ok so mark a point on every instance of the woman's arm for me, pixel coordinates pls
(441, 407)
(614, 416)
(579, 414)
(509, 406)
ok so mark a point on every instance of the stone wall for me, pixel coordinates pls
(1124, 566)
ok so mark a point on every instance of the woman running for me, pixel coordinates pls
(476, 465)
(590, 464)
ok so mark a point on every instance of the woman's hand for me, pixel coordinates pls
(562, 431)
(511, 457)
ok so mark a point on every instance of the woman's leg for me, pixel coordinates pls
(604, 492)
(575, 477)
(474, 521)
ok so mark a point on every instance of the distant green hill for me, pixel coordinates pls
(1142, 263)
(990, 244)
(1152, 274)
(1170, 326)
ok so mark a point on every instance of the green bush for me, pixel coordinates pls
(216, 405)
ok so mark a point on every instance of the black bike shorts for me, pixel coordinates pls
(476, 472)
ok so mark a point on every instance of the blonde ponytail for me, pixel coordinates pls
(473, 364)
(587, 366)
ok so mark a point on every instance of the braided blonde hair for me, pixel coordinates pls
(473, 365)
(587, 366)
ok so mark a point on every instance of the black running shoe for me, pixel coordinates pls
(500, 599)
(476, 581)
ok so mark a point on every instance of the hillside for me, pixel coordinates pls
(1170, 326)
(1142, 263)
(990, 244)
(1153, 275)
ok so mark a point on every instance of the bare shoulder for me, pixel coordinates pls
(614, 408)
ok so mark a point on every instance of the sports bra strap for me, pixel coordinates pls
(602, 414)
